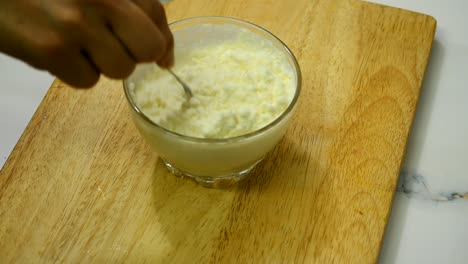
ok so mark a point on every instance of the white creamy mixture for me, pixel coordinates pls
(239, 86)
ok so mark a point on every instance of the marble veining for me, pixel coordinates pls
(414, 185)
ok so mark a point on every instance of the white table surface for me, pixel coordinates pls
(429, 219)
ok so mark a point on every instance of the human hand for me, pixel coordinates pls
(77, 40)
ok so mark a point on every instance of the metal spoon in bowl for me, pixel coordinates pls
(187, 89)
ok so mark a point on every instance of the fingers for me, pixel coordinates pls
(109, 55)
(63, 59)
(76, 70)
(155, 11)
(137, 32)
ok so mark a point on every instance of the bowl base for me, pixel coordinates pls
(222, 181)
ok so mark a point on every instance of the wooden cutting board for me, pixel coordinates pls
(82, 186)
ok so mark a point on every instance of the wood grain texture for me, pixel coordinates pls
(82, 186)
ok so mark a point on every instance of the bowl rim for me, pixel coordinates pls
(265, 128)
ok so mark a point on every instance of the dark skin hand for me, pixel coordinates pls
(78, 40)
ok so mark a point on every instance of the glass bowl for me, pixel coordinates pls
(213, 162)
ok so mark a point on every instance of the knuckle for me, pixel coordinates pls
(72, 19)
(52, 48)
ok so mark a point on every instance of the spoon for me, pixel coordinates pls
(187, 89)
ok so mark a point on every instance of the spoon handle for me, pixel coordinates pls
(187, 89)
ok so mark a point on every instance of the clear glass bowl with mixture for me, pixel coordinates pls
(213, 162)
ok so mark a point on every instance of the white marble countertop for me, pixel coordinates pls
(429, 220)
